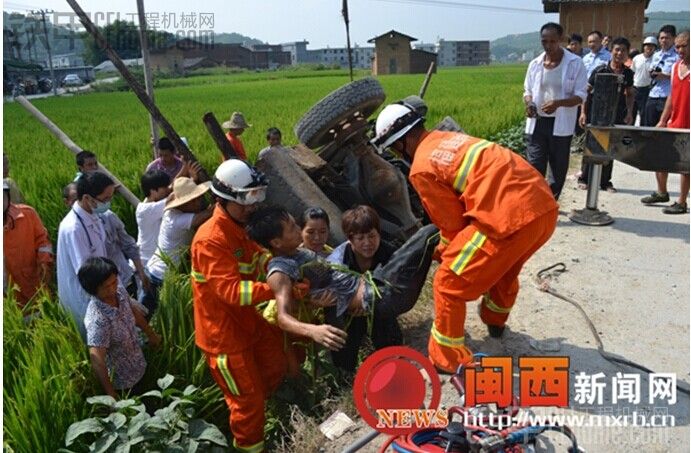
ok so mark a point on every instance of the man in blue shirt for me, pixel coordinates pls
(660, 89)
(598, 55)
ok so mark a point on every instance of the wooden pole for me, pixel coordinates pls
(148, 81)
(344, 11)
(180, 146)
(72, 146)
(219, 137)
(423, 89)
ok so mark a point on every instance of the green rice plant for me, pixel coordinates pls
(46, 375)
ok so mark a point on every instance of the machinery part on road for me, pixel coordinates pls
(542, 284)
(318, 126)
(591, 215)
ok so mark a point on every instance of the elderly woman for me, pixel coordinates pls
(362, 252)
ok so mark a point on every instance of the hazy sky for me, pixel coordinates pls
(320, 22)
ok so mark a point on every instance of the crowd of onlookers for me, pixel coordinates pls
(110, 281)
(562, 85)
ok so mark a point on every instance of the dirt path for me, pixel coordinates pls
(632, 278)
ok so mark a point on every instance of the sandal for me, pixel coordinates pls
(655, 197)
(582, 186)
(610, 189)
(676, 208)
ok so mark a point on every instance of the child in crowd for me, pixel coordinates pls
(69, 194)
(273, 138)
(388, 291)
(315, 231)
(167, 161)
(110, 323)
(184, 213)
(86, 162)
(156, 187)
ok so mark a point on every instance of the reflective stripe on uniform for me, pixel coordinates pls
(263, 259)
(222, 363)
(249, 268)
(198, 276)
(443, 340)
(256, 448)
(467, 252)
(45, 249)
(491, 306)
(469, 160)
(443, 240)
(245, 292)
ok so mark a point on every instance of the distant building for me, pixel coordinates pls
(298, 52)
(614, 18)
(393, 55)
(269, 56)
(108, 66)
(66, 61)
(463, 53)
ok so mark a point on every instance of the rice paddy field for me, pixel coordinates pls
(484, 100)
(47, 376)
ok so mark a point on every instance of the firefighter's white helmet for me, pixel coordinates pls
(394, 122)
(238, 181)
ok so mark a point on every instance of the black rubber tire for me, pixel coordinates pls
(364, 96)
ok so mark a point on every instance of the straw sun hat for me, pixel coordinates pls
(237, 121)
(184, 190)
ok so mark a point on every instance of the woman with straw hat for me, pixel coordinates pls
(184, 213)
(236, 126)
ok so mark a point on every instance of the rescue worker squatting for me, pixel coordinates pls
(494, 211)
(244, 353)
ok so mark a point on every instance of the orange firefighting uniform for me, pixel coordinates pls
(244, 352)
(27, 251)
(494, 210)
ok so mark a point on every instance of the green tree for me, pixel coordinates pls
(123, 37)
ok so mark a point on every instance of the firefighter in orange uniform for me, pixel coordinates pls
(244, 352)
(494, 211)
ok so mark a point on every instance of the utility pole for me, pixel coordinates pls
(50, 56)
(148, 82)
(344, 11)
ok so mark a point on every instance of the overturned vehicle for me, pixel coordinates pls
(336, 168)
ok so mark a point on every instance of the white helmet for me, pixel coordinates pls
(393, 123)
(650, 40)
(238, 181)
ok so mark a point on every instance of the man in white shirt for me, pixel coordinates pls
(81, 235)
(598, 55)
(555, 85)
(184, 213)
(642, 65)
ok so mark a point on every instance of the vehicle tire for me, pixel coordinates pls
(291, 188)
(364, 96)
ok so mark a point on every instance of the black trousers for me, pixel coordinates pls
(653, 110)
(544, 148)
(605, 179)
(639, 103)
(399, 283)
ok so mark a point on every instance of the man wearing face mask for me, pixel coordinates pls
(81, 235)
(244, 352)
(493, 210)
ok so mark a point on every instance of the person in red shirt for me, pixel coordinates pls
(27, 250)
(244, 352)
(236, 126)
(676, 115)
